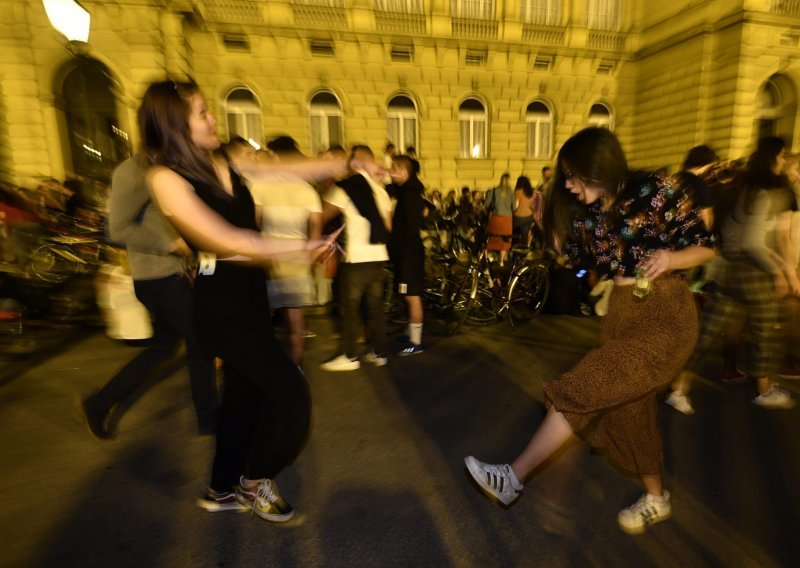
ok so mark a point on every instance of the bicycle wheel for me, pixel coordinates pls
(484, 307)
(437, 261)
(460, 293)
(461, 250)
(528, 292)
(46, 264)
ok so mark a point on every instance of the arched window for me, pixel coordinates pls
(539, 121)
(776, 107)
(603, 14)
(96, 141)
(600, 115)
(472, 126)
(325, 112)
(402, 122)
(244, 115)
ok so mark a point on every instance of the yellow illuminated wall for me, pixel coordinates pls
(674, 74)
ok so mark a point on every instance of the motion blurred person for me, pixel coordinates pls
(290, 210)
(547, 177)
(406, 249)
(634, 223)
(156, 256)
(759, 272)
(265, 409)
(366, 208)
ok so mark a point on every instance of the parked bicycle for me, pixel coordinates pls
(64, 255)
(485, 292)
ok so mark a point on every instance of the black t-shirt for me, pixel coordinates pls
(408, 217)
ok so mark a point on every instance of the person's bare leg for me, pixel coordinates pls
(553, 433)
(296, 322)
(653, 484)
(682, 382)
(415, 313)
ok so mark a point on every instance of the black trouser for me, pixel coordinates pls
(265, 411)
(362, 280)
(169, 301)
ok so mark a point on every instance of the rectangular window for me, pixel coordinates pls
(326, 130)
(402, 53)
(538, 138)
(400, 6)
(472, 137)
(475, 9)
(402, 130)
(248, 125)
(541, 12)
(604, 14)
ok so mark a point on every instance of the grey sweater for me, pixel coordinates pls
(751, 233)
(135, 221)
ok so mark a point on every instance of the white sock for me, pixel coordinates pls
(415, 333)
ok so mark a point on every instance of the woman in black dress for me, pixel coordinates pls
(265, 408)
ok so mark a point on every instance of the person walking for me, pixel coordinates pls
(638, 230)
(759, 272)
(265, 409)
(157, 256)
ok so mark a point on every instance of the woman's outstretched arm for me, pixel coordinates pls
(202, 226)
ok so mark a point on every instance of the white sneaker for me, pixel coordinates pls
(377, 360)
(680, 402)
(775, 397)
(341, 363)
(497, 481)
(648, 510)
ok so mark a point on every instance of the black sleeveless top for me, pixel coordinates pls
(236, 293)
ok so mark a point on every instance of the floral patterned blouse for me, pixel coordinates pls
(649, 214)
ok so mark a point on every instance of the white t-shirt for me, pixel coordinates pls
(286, 204)
(358, 248)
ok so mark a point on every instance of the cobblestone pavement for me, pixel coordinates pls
(381, 481)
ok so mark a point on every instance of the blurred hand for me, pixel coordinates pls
(321, 249)
(656, 264)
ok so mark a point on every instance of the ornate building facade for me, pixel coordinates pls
(479, 87)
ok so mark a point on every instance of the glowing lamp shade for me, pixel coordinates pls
(69, 18)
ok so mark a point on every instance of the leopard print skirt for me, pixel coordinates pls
(609, 397)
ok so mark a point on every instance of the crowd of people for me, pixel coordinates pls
(275, 231)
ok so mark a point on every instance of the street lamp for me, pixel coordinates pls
(71, 20)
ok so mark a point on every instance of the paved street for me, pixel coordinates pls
(381, 481)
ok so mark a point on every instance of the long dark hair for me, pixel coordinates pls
(166, 137)
(758, 174)
(593, 155)
(524, 184)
